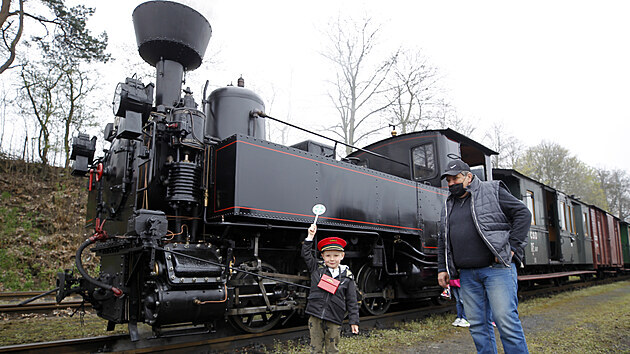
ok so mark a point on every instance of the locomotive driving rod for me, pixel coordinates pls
(224, 266)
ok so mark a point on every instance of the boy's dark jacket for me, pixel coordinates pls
(324, 305)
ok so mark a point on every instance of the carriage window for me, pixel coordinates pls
(423, 161)
(529, 200)
(585, 223)
(563, 216)
(571, 220)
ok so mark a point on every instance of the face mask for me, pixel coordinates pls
(457, 190)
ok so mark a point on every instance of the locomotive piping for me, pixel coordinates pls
(199, 302)
(87, 277)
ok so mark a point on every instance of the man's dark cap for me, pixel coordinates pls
(455, 167)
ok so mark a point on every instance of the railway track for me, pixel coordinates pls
(11, 303)
(41, 307)
(20, 295)
(226, 341)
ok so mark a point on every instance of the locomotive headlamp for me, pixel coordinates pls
(132, 102)
(133, 96)
(83, 149)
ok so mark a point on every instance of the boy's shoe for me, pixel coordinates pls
(456, 322)
(463, 323)
(494, 324)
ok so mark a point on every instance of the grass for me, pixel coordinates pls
(404, 336)
(41, 226)
(15, 257)
(565, 325)
(601, 327)
(43, 329)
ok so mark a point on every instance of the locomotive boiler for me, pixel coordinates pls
(197, 220)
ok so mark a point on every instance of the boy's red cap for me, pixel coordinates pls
(331, 243)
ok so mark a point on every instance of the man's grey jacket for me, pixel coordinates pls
(493, 225)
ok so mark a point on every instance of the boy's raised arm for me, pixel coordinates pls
(308, 253)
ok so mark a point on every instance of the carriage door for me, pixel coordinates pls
(553, 222)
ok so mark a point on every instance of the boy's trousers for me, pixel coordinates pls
(325, 335)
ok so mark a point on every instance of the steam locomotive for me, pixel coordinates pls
(198, 220)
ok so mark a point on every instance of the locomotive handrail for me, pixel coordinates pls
(269, 226)
(255, 114)
(226, 266)
(415, 249)
(418, 259)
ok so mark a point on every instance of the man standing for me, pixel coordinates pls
(483, 231)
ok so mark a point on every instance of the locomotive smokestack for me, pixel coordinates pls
(171, 37)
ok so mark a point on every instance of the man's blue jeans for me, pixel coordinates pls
(497, 287)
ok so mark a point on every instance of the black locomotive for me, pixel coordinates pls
(198, 220)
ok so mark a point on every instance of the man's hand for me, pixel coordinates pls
(355, 329)
(496, 260)
(311, 232)
(443, 279)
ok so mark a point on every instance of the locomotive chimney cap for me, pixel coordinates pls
(171, 31)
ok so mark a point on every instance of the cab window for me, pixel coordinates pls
(423, 161)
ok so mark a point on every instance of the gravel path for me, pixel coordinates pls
(557, 318)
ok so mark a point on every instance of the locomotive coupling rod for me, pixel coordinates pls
(256, 114)
(232, 268)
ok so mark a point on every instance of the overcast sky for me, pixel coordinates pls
(552, 70)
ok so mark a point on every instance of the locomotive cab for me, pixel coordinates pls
(422, 156)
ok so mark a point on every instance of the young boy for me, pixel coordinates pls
(328, 304)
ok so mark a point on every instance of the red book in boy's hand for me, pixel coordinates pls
(328, 283)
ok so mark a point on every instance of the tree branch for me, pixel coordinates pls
(16, 39)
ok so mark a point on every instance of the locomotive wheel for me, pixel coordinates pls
(369, 281)
(252, 297)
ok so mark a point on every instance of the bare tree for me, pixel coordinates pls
(54, 87)
(413, 89)
(442, 114)
(4, 102)
(508, 147)
(359, 85)
(74, 112)
(38, 96)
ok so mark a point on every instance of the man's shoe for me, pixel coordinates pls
(457, 322)
(463, 323)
